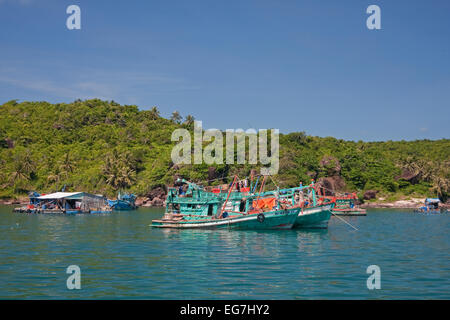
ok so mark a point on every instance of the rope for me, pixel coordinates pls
(344, 221)
(273, 182)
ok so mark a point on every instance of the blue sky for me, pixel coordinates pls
(293, 65)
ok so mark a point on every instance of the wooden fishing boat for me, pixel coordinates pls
(314, 217)
(315, 211)
(123, 202)
(198, 208)
(277, 219)
(274, 209)
(345, 205)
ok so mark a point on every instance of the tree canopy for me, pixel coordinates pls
(101, 147)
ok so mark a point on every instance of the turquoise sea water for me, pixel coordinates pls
(120, 256)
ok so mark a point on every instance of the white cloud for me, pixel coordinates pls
(127, 87)
(19, 2)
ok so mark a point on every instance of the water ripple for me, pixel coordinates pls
(122, 257)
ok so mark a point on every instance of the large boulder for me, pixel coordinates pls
(370, 194)
(141, 202)
(331, 185)
(158, 192)
(410, 176)
(157, 202)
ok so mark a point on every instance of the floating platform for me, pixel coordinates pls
(59, 211)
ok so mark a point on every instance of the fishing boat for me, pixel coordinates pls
(315, 217)
(123, 202)
(274, 209)
(315, 212)
(345, 206)
(198, 208)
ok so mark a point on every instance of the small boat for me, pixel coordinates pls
(123, 202)
(345, 206)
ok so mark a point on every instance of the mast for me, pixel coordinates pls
(228, 196)
(260, 189)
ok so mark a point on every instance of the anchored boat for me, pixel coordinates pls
(124, 202)
(275, 209)
(198, 208)
(315, 211)
(345, 206)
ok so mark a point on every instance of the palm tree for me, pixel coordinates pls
(154, 112)
(20, 172)
(176, 117)
(66, 164)
(189, 120)
(23, 168)
(119, 170)
(127, 177)
(27, 162)
(53, 178)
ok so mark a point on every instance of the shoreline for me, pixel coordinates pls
(399, 204)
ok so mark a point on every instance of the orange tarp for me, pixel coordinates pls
(264, 203)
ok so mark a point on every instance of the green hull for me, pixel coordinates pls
(316, 217)
(281, 219)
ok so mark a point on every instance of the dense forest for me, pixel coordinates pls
(102, 147)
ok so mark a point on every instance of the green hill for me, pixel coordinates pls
(101, 146)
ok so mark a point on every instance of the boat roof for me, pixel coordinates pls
(432, 200)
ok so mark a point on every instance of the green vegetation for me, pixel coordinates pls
(101, 146)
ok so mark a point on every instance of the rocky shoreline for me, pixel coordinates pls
(158, 200)
(399, 204)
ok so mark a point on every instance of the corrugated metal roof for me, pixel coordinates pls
(59, 195)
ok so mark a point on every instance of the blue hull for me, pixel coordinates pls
(121, 205)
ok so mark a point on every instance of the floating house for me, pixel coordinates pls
(431, 206)
(66, 202)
